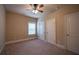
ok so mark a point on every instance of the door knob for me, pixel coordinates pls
(67, 35)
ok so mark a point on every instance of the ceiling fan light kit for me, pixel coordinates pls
(35, 11)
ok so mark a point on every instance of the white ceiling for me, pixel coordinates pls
(24, 9)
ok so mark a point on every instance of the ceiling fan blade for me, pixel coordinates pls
(41, 5)
(40, 8)
(28, 7)
(40, 11)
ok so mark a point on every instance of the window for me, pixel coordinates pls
(31, 28)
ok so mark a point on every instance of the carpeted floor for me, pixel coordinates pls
(34, 47)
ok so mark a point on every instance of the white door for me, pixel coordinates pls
(72, 32)
(41, 29)
(50, 30)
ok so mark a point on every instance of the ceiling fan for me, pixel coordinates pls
(37, 8)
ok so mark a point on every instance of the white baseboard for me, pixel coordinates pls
(58, 45)
(61, 46)
(1, 48)
(15, 41)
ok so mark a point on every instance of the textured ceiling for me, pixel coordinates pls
(24, 9)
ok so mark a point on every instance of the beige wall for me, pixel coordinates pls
(2, 26)
(16, 26)
(59, 17)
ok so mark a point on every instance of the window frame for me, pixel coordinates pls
(35, 29)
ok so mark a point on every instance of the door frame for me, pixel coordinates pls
(65, 30)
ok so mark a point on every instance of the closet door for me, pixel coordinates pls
(72, 32)
(50, 30)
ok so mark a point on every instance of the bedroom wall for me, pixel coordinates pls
(59, 17)
(2, 27)
(16, 26)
